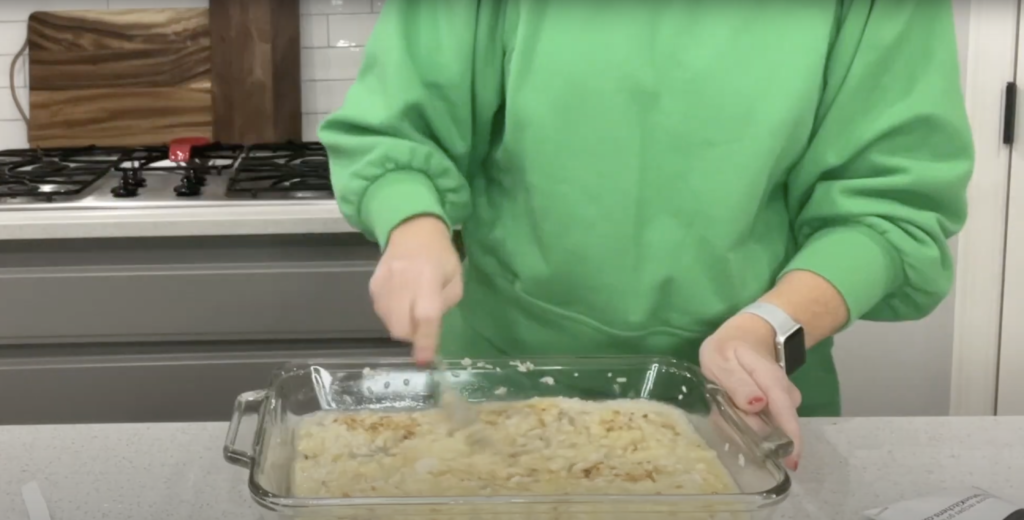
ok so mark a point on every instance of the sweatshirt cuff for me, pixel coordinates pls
(857, 261)
(396, 197)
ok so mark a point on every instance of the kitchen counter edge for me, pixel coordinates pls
(270, 219)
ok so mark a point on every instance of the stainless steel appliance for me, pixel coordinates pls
(186, 173)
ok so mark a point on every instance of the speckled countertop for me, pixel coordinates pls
(169, 222)
(175, 471)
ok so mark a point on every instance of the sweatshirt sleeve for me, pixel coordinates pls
(883, 184)
(419, 115)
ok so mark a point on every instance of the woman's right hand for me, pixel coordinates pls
(418, 278)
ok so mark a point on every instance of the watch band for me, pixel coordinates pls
(790, 350)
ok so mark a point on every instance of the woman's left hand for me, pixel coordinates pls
(740, 357)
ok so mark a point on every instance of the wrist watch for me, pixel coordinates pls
(790, 346)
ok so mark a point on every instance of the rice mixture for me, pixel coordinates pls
(539, 446)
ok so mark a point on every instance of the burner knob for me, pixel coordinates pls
(124, 189)
(187, 189)
(194, 178)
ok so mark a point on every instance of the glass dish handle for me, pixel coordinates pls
(247, 404)
(758, 431)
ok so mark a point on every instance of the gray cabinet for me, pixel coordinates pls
(202, 288)
(173, 329)
(151, 382)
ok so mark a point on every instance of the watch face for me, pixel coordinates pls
(796, 350)
(797, 337)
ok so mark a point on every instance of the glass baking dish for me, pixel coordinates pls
(750, 447)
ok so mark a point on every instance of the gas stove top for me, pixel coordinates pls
(184, 174)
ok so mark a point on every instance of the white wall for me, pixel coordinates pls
(333, 33)
(902, 368)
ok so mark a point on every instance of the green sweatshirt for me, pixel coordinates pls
(628, 175)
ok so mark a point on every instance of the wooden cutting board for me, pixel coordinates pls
(257, 88)
(119, 77)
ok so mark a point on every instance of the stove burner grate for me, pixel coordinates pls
(286, 169)
(54, 172)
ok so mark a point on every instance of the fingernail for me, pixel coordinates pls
(756, 401)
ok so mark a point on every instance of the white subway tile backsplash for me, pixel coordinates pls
(8, 111)
(308, 93)
(324, 96)
(309, 127)
(12, 36)
(333, 34)
(331, 63)
(13, 135)
(20, 77)
(310, 124)
(350, 30)
(314, 31)
(18, 10)
(338, 6)
(156, 4)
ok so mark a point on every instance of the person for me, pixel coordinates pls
(630, 176)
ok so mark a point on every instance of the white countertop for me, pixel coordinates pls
(175, 471)
(193, 221)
